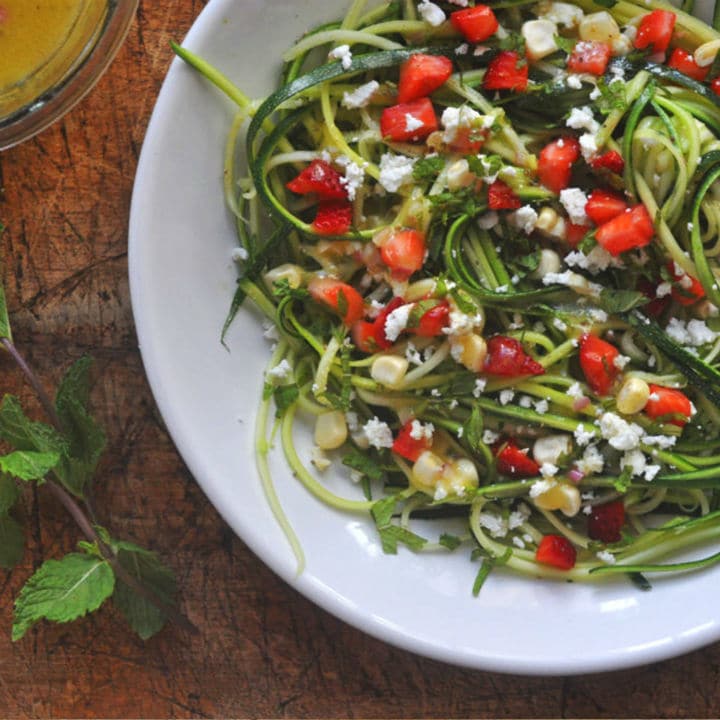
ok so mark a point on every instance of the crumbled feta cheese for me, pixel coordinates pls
(525, 401)
(588, 146)
(270, 331)
(479, 388)
(591, 462)
(606, 556)
(395, 171)
(378, 433)
(397, 321)
(459, 3)
(460, 324)
(343, 54)
(662, 441)
(506, 396)
(541, 486)
(489, 437)
(574, 81)
(494, 524)
(462, 49)
(621, 434)
(353, 178)
(239, 254)
(488, 220)
(634, 460)
(574, 201)
(351, 418)
(541, 407)
(563, 13)
(281, 371)
(547, 470)
(319, 459)
(360, 96)
(596, 261)
(583, 436)
(518, 517)
(576, 391)
(412, 123)
(582, 118)
(559, 324)
(431, 13)
(524, 218)
(663, 289)
(420, 431)
(412, 355)
(620, 361)
(694, 333)
(455, 118)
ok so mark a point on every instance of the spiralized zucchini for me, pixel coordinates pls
(547, 371)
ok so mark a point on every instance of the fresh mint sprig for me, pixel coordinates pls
(62, 455)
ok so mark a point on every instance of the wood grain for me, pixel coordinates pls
(263, 650)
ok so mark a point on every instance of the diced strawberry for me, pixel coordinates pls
(403, 251)
(597, 360)
(631, 229)
(476, 23)
(408, 446)
(340, 297)
(381, 340)
(502, 197)
(611, 160)
(421, 75)
(555, 163)
(604, 205)
(334, 217)
(589, 57)
(507, 358)
(655, 30)
(556, 550)
(686, 289)
(684, 61)
(715, 85)
(515, 462)
(363, 336)
(320, 178)
(408, 122)
(434, 321)
(506, 71)
(668, 404)
(605, 521)
(574, 233)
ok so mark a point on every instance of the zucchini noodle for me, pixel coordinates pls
(488, 238)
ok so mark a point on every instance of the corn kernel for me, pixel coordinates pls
(459, 175)
(599, 27)
(705, 54)
(632, 396)
(470, 350)
(563, 497)
(330, 430)
(550, 223)
(427, 470)
(549, 263)
(389, 370)
(294, 275)
(420, 290)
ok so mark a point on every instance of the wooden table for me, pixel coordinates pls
(263, 650)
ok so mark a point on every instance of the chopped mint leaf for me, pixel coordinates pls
(63, 590)
(284, 396)
(473, 428)
(481, 577)
(565, 44)
(145, 618)
(382, 510)
(451, 542)
(427, 169)
(28, 465)
(365, 464)
(620, 301)
(12, 542)
(612, 96)
(418, 310)
(25, 434)
(391, 535)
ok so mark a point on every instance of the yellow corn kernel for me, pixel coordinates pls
(550, 223)
(549, 263)
(704, 55)
(600, 27)
(539, 38)
(330, 430)
(632, 396)
(389, 370)
(460, 475)
(294, 275)
(427, 470)
(459, 175)
(420, 290)
(561, 496)
(470, 350)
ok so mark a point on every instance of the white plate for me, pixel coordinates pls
(182, 280)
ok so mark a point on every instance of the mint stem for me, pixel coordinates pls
(76, 512)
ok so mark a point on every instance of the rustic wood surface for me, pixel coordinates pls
(262, 650)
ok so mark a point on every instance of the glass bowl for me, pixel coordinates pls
(56, 65)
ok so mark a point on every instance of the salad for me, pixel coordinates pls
(485, 237)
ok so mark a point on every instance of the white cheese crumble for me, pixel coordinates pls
(506, 396)
(591, 462)
(524, 218)
(454, 118)
(583, 436)
(239, 254)
(694, 333)
(420, 431)
(490, 437)
(574, 201)
(621, 434)
(412, 123)
(582, 118)
(606, 556)
(488, 221)
(431, 13)
(353, 177)
(378, 433)
(395, 171)
(281, 371)
(397, 321)
(588, 146)
(360, 97)
(547, 470)
(343, 54)
(479, 388)
(539, 487)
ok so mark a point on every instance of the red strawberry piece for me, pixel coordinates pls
(506, 71)
(556, 550)
(633, 228)
(507, 358)
(515, 462)
(684, 61)
(340, 297)
(603, 205)
(668, 404)
(421, 75)
(434, 321)
(597, 360)
(502, 197)
(611, 160)
(476, 23)
(655, 30)
(408, 446)
(320, 178)
(589, 57)
(555, 163)
(605, 521)
(334, 217)
(408, 122)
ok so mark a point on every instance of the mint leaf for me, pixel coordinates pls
(28, 465)
(25, 434)
(619, 301)
(145, 618)
(427, 169)
(63, 590)
(382, 510)
(85, 437)
(391, 535)
(284, 396)
(12, 542)
(8, 494)
(451, 542)
(365, 464)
